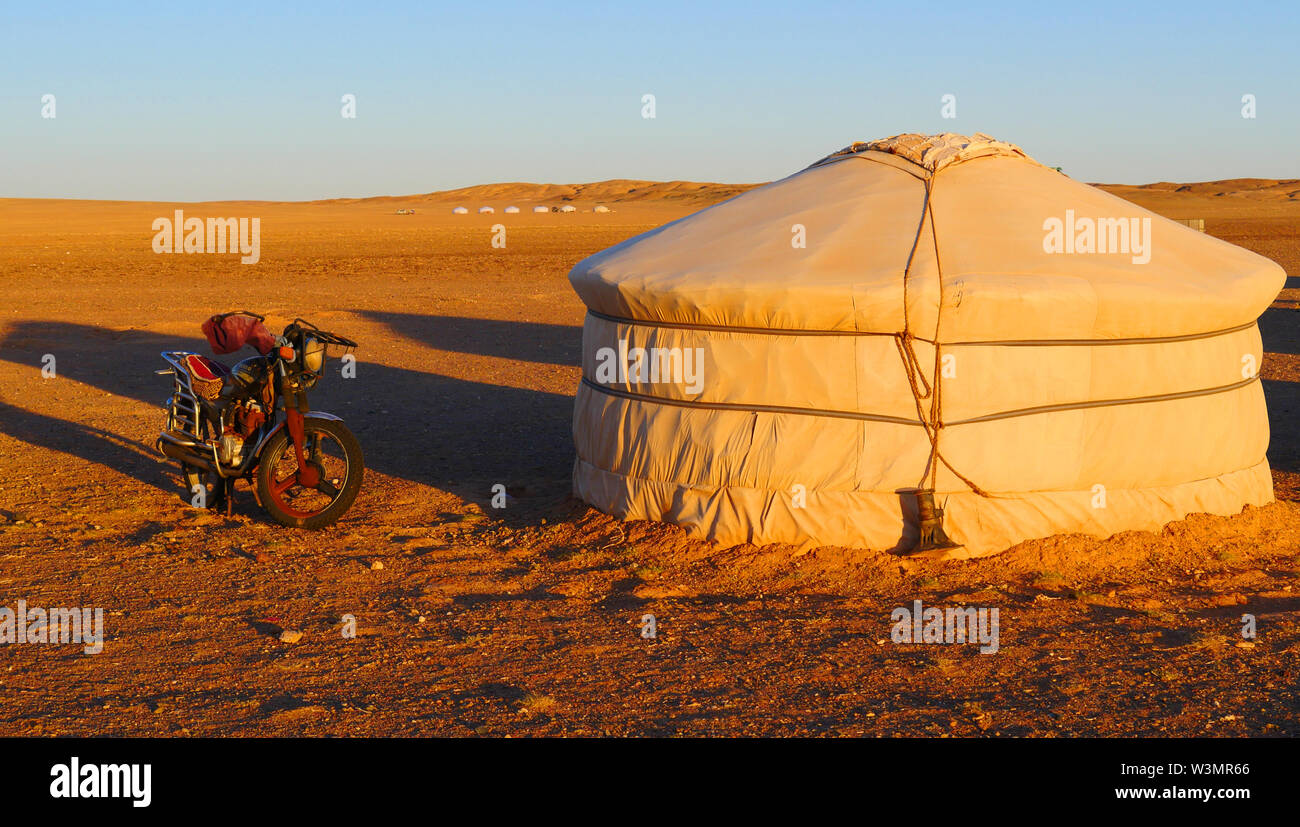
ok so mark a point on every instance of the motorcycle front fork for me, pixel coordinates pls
(308, 476)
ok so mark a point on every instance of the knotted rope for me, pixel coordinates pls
(931, 421)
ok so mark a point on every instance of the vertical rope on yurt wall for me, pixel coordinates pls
(933, 422)
(904, 341)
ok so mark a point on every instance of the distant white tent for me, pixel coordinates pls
(485, 210)
(461, 211)
(601, 208)
(540, 208)
(512, 209)
(568, 208)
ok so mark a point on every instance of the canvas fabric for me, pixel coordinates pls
(927, 336)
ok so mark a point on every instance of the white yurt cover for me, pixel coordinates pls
(922, 312)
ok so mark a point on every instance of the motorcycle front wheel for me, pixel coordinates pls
(334, 451)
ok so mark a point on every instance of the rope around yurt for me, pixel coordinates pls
(932, 422)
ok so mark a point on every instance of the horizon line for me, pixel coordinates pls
(434, 193)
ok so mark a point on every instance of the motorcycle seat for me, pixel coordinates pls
(207, 377)
(205, 369)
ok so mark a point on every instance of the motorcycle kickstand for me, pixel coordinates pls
(228, 494)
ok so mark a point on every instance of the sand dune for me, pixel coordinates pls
(622, 190)
(697, 192)
(617, 190)
(1270, 189)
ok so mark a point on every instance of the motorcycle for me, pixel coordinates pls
(253, 422)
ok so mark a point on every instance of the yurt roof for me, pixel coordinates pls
(933, 152)
(942, 236)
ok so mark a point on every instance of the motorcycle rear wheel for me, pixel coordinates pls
(197, 479)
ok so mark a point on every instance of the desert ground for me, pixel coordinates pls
(524, 621)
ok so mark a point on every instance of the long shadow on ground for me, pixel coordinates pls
(551, 344)
(417, 426)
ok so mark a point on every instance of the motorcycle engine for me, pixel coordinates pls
(231, 449)
(243, 418)
(245, 410)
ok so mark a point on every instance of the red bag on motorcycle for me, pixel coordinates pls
(228, 332)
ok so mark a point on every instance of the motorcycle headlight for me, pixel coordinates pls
(313, 354)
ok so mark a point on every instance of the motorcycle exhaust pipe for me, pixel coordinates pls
(189, 456)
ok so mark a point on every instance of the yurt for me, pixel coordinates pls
(541, 208)
(924, 344)
(601, 208)
(485, 210)
(568, 208)
(511, 210)
(461, 211)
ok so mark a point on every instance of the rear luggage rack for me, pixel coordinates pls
(183, 418)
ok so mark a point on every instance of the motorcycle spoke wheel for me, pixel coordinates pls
(210, 483)
(326, 454)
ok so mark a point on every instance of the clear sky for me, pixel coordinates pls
(227, 100)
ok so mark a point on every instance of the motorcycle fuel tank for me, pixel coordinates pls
(251, 373)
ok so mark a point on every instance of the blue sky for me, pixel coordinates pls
(176, 101)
